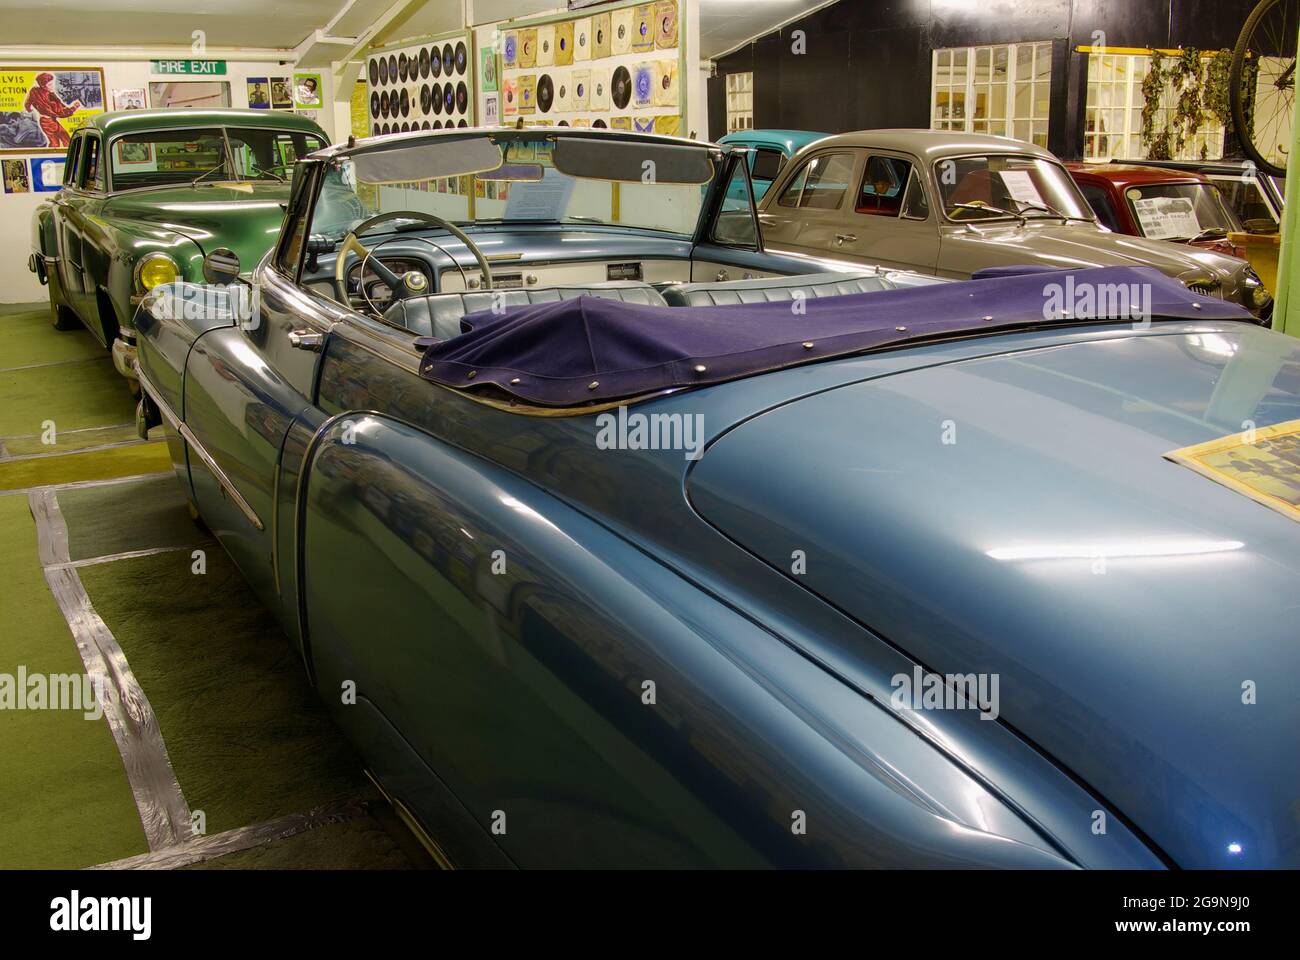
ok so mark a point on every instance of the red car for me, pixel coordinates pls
(1158, 204)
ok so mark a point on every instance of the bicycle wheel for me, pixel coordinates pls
(1261, 83)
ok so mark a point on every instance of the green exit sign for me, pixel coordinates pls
(201, 68)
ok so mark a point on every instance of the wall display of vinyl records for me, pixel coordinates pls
(621, 68)
(422, 86)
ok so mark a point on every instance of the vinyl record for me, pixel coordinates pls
(528, 47)
(620, 88)
(599, 124)
(643, 85)
(620, 39)
(563, 96)
(563, 44)
(643, 28)
(563, 123)
(600, 32)
(545, 93)
(383, 104)
(546, 45)
(581, 89)
(424, 63)
(405, 103)
(425, 125)
(406, 128)
(462, 57)
(374, 104)
(462, 123)
(377, 129)
(437, 124)
(426, 99)
(374, 73)
(666, 24)
(462, 97)
(435, 62)
(387, 129)
(665, 87)
(402, 67)
(448, 59)
(392, 67)
(383, 71)
(582, 40)
(449, 98)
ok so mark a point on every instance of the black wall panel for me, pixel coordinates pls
(867, 62)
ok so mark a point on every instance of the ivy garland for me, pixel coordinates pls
(1190, 91)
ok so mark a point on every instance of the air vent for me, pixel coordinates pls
(623, 271)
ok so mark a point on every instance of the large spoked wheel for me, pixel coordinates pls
(1261, 83)
(400, 286)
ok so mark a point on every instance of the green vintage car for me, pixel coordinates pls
(177, 185)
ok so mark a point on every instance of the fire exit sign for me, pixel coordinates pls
(201, 68)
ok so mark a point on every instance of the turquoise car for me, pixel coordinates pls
(769, 150)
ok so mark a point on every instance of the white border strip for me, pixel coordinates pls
(83, 484)
(163, 810)
(242, 838)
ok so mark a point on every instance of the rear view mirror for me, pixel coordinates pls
(221, 266)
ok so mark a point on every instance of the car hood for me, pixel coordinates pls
(1015, 516)
(244, 217)
(1079, 245)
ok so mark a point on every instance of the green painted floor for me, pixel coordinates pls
(247, 738)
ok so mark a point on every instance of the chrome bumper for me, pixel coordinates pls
(124, 358)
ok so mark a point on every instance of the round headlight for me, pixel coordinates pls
(154, 270)
(1257, 294)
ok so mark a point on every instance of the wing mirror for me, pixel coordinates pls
(221, 266)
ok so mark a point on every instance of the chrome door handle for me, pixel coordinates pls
(306, 340)
(846, 237)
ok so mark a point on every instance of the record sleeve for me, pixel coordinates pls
(600, 36)
(666, 24)
(509, 97)
(643, 85)
(620, 41)
(582, 40)
(528, 94)
(643, 28)
(509, 48)
(665, 92)
(599, 89)
(564, 44)
(546, 45)
(581, 94)
(528, 47)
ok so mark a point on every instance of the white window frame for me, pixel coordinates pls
(1007, 118)
(740, 101)
(1127, 90)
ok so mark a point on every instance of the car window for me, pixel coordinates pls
(70, 164)
(886, 186)
(820, 184)
(269, 154)
(91, 176)
(1180, 211)
(735, 225)
(1099, 200)
(767, 164)
(1244, 198)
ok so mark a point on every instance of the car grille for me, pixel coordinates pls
(1209, 289)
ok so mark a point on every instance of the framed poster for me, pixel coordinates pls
(306, 90)
(259, 93)
(40, 108)
(281, 93)
(129, 153)
(132, 98)
(16, 179)
(47, 174)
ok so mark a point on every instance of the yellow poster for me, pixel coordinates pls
(1262, 464)
(40, 109)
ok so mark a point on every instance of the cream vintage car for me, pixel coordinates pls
(952, 204)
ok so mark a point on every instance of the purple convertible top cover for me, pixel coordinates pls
(589, 349)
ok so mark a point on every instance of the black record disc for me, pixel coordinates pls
(437, 124)
(374, 73)
(406, 103)
(545, 93)
(426, 99)
(425, 125)
(383, 104)
(424, 63)
(386, 129)
(402, 67)
(620, 88)
(378, 129)
(435, 62)
(462, 57)
(563, 123)
(435, 97)
(600, 124)
(462, 97)
(449, 97)
(374, 104)
(383, 71)
(448, 59)
(462, 123)
(392, 67)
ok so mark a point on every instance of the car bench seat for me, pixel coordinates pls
(439, 314)
(767, 289)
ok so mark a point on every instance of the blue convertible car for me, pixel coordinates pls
(612, 539)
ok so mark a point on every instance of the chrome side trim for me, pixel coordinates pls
(188, 435)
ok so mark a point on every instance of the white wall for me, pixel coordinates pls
(17, 283)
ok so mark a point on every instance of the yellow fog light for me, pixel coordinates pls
(155, 270)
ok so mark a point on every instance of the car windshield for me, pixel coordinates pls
(998, 186)
(1180, 211)
(520, 177)
(172, 157)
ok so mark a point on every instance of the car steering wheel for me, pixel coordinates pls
(398, 285)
